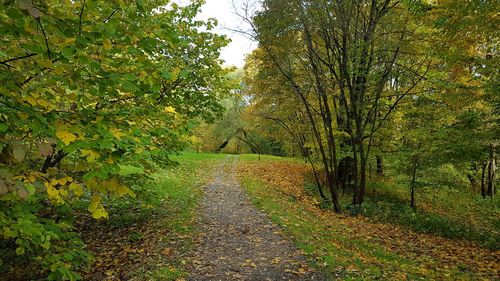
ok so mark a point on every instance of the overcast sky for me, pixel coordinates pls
(224, 12)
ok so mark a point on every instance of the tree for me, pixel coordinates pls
(85, 87)
(344, 61)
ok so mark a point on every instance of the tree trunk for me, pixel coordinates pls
(412, 199)
(483, 187)
(316, 178)
(355, 174)
(345, 172)
(52, 161)
(472, 181)
(491, 172)
(360, 180)
(413, 182)
(380, 167)
(223, 145)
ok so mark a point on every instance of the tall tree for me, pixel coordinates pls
(342, 59)
(95, 84)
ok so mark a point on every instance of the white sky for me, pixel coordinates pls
(224, 12)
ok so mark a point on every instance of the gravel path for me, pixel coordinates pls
(237, 241)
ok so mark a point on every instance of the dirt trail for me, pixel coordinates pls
(237, 241)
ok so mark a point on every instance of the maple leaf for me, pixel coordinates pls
(66, 137)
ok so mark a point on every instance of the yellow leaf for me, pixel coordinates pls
(45, 63)
(63, 192)
(90, 154)
(65, 180)
(121, 190)
(65, 137)
(76, 189)
(92, 183)
(96, 208)
(59, 70)
(116, 133)
(110, 160)
(169, 109)
(23, 115)
(43, 103)
(53, 194)
(107, 44)
(31, 100)
(69, 41)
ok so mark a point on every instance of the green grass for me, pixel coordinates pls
(167, 198)
(456, 213)
(447, 212)
(452, 213)
(328, 248)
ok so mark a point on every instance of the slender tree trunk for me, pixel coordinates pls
(52, 161)
(472, 181)
(412, 199)
(355, 174)
(316, 178)
(413, 181)
(380, 167)
(483, 187)
(491, 172)
(360, 175)
(370, 169)
(362, 180)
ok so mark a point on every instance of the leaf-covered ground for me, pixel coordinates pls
(147, 241)
(238, 242)
(195, 223)
(358, 246)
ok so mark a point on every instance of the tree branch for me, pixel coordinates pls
(17, 58)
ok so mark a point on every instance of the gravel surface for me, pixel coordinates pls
(237, 241)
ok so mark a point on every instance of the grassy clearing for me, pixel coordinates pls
(145, 237)
(452, 213)
(333, 253)
(381, 243)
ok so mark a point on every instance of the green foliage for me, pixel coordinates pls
(46, 241)
(388, 239)
(162, 215)
(87, 87)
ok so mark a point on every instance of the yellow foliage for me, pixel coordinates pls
(65, 137)
(65, 180)
(90, 154)
(96, 208)
(169, 109)
(106, 43)
(76, 189)
(53, 193)
(116, 133)
(113, 185)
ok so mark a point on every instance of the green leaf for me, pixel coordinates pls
(68, 52)
(20, 251)
(18, 152)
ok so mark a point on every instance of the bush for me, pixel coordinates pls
(44, 242)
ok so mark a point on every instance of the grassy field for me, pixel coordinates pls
(452, 236)
(148, 236)
(389, 240)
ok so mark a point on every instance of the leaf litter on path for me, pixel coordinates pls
(238, 242)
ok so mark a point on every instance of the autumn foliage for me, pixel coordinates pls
(87, 87)
(283, 182)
